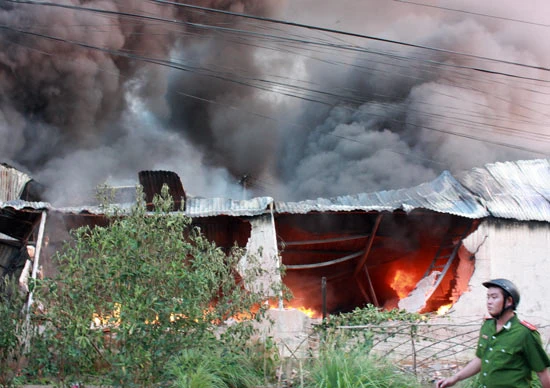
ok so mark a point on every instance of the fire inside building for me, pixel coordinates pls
(422, 249)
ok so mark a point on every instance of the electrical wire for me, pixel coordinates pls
(473, 13)
(176, 66)
(352, 48)
(270, 84)
(345, 33)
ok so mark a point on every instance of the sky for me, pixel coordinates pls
(308, 99)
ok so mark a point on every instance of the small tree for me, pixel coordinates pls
(131, 296)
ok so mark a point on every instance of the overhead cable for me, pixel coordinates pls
(473, 13)
(348, 47)
(340, 32)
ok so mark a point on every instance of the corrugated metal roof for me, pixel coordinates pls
(18, 218)
(518, 190)
(206, 207)
(19, 204)
(195, 207)
(444, 194)
(12, 183)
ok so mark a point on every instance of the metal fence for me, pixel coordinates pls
(430, 350)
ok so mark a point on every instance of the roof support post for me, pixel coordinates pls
(35, 267)
(371, 288)
(368, 247)
(281, 305)
(363, 291)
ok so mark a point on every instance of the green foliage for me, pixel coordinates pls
(336, 368)
(214, 368)
(11, 330)
(132, 295)
(344, 360)
(362, 337)
(371, 314)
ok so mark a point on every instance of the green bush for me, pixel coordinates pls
(133, 295)
(333, 337)
(336, 368)
(11, 330)
(213, 368)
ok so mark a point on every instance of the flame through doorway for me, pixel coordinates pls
(414, 261)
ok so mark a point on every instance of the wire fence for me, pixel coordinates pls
(428, 350)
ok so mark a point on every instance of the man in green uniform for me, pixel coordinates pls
(508, 350)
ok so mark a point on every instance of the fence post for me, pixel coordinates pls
(413, 334)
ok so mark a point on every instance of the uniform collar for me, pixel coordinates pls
(510, 322)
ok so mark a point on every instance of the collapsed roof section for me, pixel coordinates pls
(515, 190)
(18, 218)
(377, 247)
(443, 195)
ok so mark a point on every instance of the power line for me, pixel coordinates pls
(340, 32)
(337, 46)
(176, 66)
(244, 81)
(473, 13)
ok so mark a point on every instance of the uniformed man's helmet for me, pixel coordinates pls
(508, 287)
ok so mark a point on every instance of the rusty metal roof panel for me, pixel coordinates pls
(19, 204)
(517, 190)
(444, 195)
(12, 183)
(18, 218)
(94, 209)
(152, 182)
(207, 207)
(194, 207)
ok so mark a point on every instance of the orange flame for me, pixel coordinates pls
(312, 313)
(442, 310)
(307, 311)
(107, 319)
(403, 283)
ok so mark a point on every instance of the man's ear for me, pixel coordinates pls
(509, 301)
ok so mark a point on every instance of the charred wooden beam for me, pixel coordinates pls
(371, 288)
(362, 289)
(368, 247)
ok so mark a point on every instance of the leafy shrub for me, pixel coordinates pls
(213, 368)
(372, 314)
(333, 337)
(11, 330)
(336, 368)
(132, 295)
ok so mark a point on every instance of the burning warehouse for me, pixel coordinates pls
(224, 89)
(422, 248)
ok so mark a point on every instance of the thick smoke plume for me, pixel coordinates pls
(95, 91)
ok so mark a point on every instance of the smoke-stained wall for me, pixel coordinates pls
(94, 91)
(513, 250)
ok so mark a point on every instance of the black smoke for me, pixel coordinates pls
(89, 97)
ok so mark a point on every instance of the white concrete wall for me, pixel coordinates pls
(519, 251)
(261, 255)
